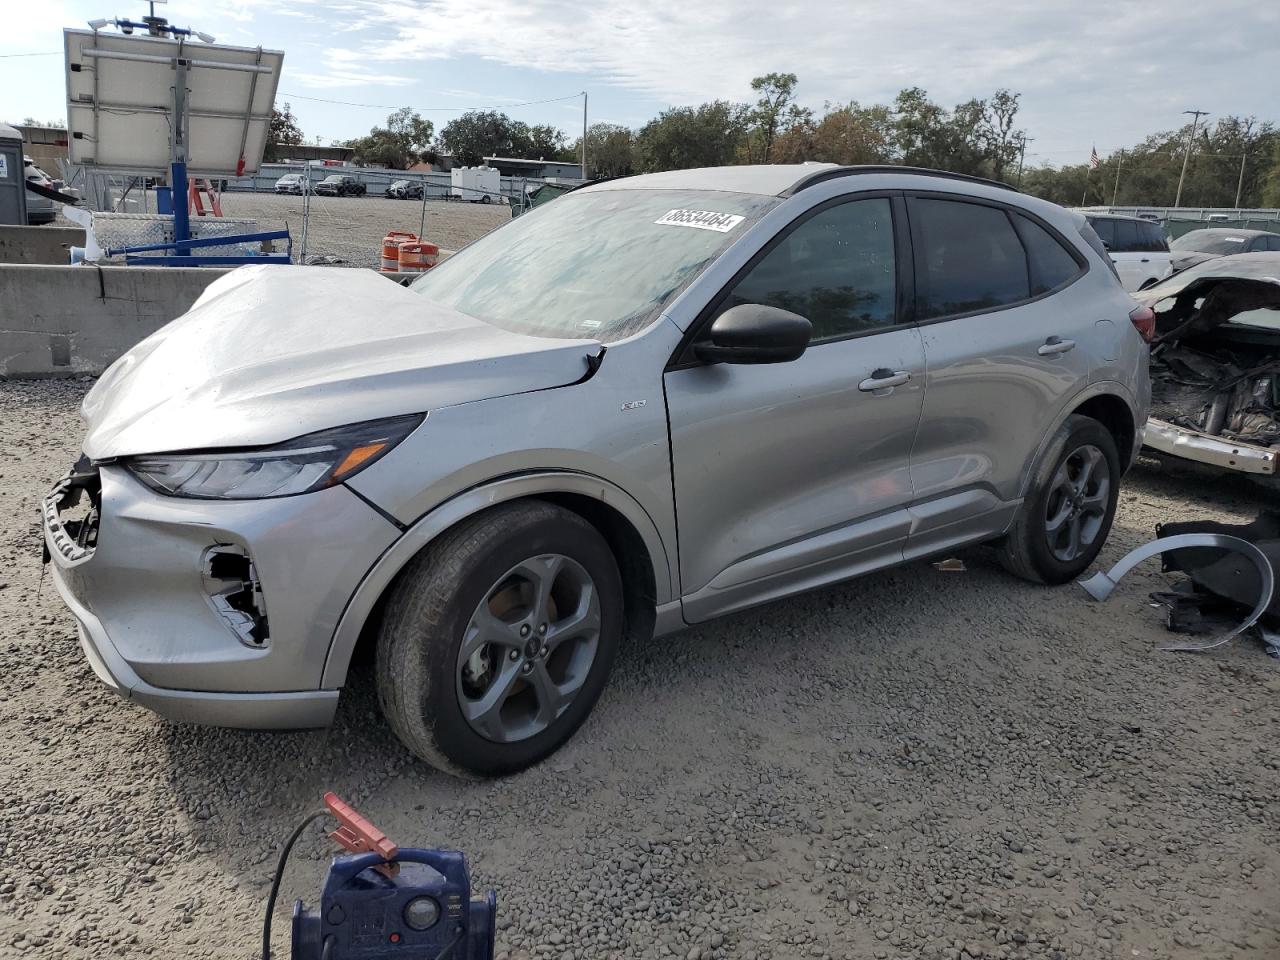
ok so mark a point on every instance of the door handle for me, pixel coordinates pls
(1146, 259)
(1055, 345)
(883, 379)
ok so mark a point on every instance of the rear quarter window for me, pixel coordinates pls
(1089, 234)
(1051, 265)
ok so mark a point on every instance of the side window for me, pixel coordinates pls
(837, 269)
(967, 258)
(1153, 240)
(1126, 233)
(1105, 229)
(1050, 263)
(1273, 243)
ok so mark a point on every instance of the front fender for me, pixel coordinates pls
(458, 508)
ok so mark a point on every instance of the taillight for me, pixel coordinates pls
(1144, 321)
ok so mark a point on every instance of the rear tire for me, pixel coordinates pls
(513, 699)
(1067, 514)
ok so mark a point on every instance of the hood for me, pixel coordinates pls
(268, 353)
(1211, 293)
(1190, 258)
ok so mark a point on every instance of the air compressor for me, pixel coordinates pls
(381, 902)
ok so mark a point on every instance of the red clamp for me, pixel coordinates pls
(358, 835)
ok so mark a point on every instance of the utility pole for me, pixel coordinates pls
(1022, 156)
(584, 135)
(1195, 118)
(1116, 191)
(1240, 182)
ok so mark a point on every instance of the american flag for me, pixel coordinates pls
(1094, 162)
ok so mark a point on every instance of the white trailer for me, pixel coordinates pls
(477, 184)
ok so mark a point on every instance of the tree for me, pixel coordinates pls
(1003, 142)
(847, 134)
(611, 150)
(398, 145)
(284, 131)
(683, 137)
(775, 109)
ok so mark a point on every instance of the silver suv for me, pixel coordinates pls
(649, 403)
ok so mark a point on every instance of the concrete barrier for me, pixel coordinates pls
(74, 321)
(39, 244)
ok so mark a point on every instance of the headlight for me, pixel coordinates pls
(307, 463)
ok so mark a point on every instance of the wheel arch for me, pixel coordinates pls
(1110, 404)
(626, 526)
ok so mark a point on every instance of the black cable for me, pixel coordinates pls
(275, 883)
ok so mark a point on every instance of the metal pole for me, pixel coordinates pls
(584, 135)
(1116, 192)
(306, 209)
(178, 155)
(422, 224)
(1195, 118)
(1240, 182)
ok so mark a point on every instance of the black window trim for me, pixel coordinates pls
(1009, 208)
(904, 276)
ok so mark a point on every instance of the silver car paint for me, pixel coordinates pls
(269, 353)
(516, 422)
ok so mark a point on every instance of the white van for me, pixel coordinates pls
(1136, 246)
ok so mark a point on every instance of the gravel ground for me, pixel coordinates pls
(915, 764)
(352, 228)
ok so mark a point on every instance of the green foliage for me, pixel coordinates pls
(284, 131)
(1149, 171)
(775, 109)
(487, 133)
(399, 145)
(682, 137)
(611, 150)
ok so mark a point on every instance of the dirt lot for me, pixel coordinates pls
(916, 764)
(352, 228)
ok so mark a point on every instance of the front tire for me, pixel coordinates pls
(1067, 514)
(498, 639)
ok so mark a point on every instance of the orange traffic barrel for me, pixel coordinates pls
(391, 247)
(418, 256)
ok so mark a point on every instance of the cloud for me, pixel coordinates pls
(1115, 62)
(344, 78)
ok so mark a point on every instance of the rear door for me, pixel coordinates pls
(791, 475)
(1003, 354)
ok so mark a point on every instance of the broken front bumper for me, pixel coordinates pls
(142, 580)
(1206, 448)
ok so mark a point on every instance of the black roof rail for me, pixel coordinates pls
(830, 173)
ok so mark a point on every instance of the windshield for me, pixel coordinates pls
(1213, 244)
(598, 264)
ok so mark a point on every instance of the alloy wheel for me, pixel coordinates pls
(1079, 495)
(528, 648)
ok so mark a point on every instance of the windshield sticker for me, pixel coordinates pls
(1234, 239)
(700, 219)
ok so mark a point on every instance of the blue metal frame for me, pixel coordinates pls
(184, 258)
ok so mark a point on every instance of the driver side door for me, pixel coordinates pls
(791, 475)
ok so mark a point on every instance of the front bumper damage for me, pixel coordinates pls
(146, 578)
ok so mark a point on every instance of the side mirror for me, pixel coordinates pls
(755, 333)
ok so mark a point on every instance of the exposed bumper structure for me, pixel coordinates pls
(1205, 448)
(147, 583)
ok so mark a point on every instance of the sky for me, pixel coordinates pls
(1091, 72)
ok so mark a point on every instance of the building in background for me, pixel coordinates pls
(535, 169)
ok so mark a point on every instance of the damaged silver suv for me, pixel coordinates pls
(649, 403)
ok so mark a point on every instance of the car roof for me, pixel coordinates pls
(1119, 216)
(777, 179)
(1229, 232)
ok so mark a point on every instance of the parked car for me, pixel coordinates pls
(1137, 247)
(295, 183)
(1216, 369)
(405, 190)
(40, 209)
(340, 185)
(650, 403)
(1210, 242)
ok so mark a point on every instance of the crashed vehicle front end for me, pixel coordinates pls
(1215, 364)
